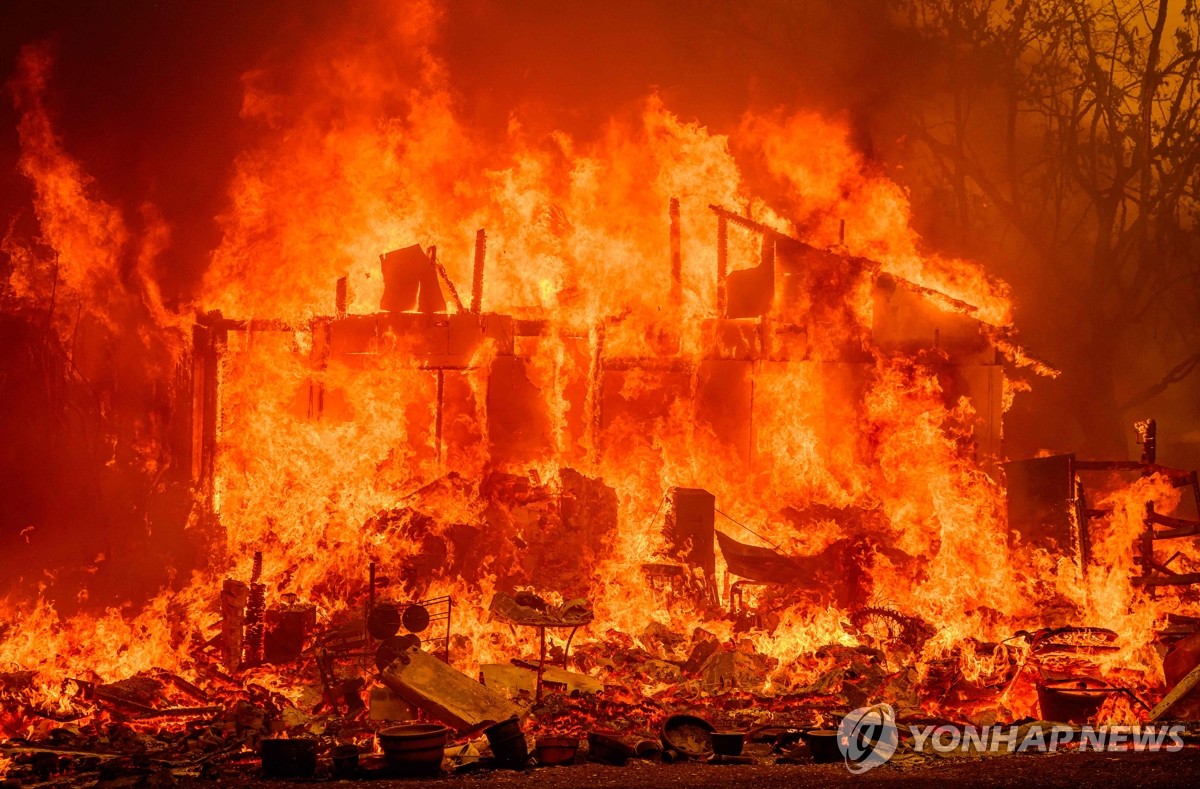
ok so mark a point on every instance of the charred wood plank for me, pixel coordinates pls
(234, 597)
(1176, 693)
(446, 693)
(1182, 579)
(477, 272)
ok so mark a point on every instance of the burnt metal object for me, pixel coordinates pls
(1041, 495)
(823, 743)
(345, 760)
(288, 757)
(759, 564)
(605, 745)
(394, 647)
(529, 610)
(728, 743)
(691, 529)
(415, 618)
(508, 743)
(555, 751)
(1082, 640)
(414, 749)
(1154, 573)
(897, 628)
(690, 735)
(384, 621)
(1072, 700)
(287, 629)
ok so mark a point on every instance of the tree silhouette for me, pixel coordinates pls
(1075, 124)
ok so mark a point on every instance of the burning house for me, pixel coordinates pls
(577, 444)
(494, 402)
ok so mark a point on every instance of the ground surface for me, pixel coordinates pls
(1055, 770)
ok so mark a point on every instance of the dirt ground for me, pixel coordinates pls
(1054, 770)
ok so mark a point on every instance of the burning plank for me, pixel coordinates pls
(446, 693)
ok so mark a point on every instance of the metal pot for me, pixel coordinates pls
(728, 743)
(688, 734)
(824, 745)
(414, 749)
(288, 758)
(508, 744)
(553, 751)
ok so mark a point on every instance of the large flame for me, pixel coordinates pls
(360, 151)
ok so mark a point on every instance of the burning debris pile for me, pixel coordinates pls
(529, 570)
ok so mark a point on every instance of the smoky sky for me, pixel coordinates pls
(147, 94)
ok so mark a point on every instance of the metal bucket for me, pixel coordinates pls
(345, 760)
(288, 758)
(823, 743)
(508, 744)
(553, 751)
(728, 743)
(414, 749)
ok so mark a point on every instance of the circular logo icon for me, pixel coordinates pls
(867, 737)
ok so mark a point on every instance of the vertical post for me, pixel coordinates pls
(594, 404)
(256, 609)
(234, 597)
(209, 340)
(441, 392)
(1150, 443)
(1147, 557)
(767, 250)
(370, 588)
(842, 232)
(537, 696)
(477, 274)
(722, 262)
(341, 298)
(676, 255)
(322, 336)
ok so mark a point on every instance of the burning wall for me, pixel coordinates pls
(799, 409)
